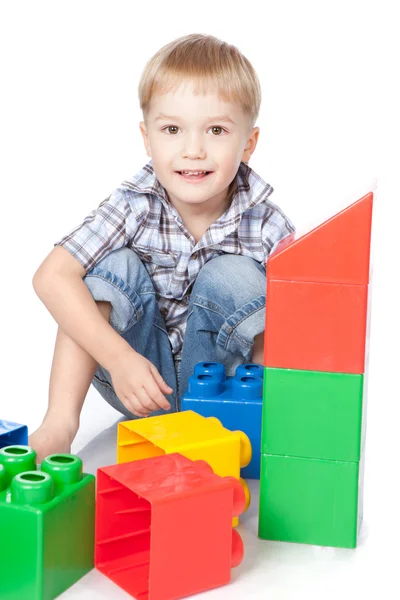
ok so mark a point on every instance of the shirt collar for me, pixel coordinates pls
(249, 188)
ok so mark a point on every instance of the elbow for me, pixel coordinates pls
(38, 281)
(35, 282)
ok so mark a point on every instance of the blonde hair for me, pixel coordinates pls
(211, 63)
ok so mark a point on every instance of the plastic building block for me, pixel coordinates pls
(235, 401)
(315, 382)
(312, 414)
(12, 433)
(310, 501)
(315, 326)
(190, 434)
(164, 527)
(337, 251)
(46, 524)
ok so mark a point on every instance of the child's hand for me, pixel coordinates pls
(138, 384)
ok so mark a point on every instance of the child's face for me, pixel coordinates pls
(194, 139)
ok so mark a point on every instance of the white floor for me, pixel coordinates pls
(275, 570)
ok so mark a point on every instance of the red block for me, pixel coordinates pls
(164, 526)
(316, 326)
(337, 251)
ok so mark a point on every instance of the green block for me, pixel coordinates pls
(310, 501)
(312, 414)
(46, 524)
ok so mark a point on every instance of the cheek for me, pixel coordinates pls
(164, 150)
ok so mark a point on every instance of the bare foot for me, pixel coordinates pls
(52, 438)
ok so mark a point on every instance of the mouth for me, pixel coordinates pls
(193, 178)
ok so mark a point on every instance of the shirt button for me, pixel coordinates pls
(164, 312)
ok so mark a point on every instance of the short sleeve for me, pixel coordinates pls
(103, 230)
(276, 226)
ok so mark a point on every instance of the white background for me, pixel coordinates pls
(329, 133)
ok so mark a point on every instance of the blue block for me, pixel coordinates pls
(13, 434)
(235, 401)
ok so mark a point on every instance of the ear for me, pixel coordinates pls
(251, 144)
(143, 131)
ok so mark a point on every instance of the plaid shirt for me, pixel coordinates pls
(139, 215)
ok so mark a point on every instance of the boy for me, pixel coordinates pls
(170, 269)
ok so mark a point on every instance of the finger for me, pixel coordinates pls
(134, 405)
(155, 394)
(160, 381)
(146, 400)
(131, 403)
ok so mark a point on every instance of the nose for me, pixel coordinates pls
(193, 147)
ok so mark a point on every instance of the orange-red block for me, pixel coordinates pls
(315, 326)
(337, 251)
(164, 526)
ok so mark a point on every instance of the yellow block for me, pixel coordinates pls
(190, 434)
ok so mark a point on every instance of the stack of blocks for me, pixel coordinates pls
(314, 400)
(235, 401)
(191, 435)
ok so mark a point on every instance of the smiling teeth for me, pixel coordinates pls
(193, 172)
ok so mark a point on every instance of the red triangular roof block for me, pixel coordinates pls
(337, 251)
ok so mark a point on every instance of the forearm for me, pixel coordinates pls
(72, 306)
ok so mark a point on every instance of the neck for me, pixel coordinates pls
(200, 213)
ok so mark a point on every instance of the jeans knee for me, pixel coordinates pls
(118, 280)
(231, 277)
(123, 263)
(228, 300)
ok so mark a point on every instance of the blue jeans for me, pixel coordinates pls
(226, 311)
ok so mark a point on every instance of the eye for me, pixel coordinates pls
(169, 127)
(175, 127)
(218, 127)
